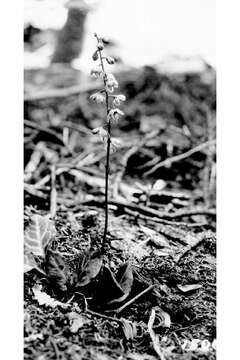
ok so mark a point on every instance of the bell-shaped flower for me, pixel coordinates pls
(114, 115)
(102, 133)
(118, 98)
(110, 60)
(98, 97)
(111, 83)
(96, 72)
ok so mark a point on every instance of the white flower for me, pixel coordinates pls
(103, 134)
(118, 98)
(98, 97)
(114, 115)
(111, 83)
(115, 144)
(96, 72)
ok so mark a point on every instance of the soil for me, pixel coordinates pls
(181, 110)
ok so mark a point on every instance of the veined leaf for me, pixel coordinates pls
(38, 234)
(90, 267)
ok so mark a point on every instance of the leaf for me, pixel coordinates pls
(124, 278)
(188, 288)
(155, 238)
(89, 268)
(38, 234)
(154, 337)
(108, 288)
(129, 328)
(56, 270)
(77, 321)
(45, 299)
(30, 263)
(164, 317)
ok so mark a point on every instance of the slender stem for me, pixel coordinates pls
(107, 155)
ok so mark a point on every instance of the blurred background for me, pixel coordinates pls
(143, 32)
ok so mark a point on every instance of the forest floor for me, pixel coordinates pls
(162, 220)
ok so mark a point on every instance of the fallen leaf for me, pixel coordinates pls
(90, 267)
(129, 328)
(154, 337)
(77, 321)
(45, 299)
(155, 238)
(38, 234)
(189, 287)
(164, 317)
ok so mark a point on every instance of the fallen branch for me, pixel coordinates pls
(36, 126)
(170, 161)
(53, 195)
(61, 93)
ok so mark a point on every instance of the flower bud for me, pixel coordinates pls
(95, 55)
(98, 97)
(100, 45)
(103, 134)
(111, 83)
(114, 115)
(110, 60)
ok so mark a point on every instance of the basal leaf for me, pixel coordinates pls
(38, 234)
(124, 278)
(56, 270)
(89, 268)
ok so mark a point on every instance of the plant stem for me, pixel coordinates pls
(107, 155)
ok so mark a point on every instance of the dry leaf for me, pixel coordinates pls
(47, 300)
(77, 321)
(129, 328)
(188, 288)
(89, 268)
(56, 270)
(154, 337)
(164, 317)
(38, 234)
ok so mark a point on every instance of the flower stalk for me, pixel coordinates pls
(112, 116)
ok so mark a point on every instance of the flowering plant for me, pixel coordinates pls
(107, 97)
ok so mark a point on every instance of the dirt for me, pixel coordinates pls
(177, 106)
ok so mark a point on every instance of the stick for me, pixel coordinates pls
(61, 93)
(190, 247)
(125, 159)
(134, 299)
(182, 156)
(34, 125)
(53, 195)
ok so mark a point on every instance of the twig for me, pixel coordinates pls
(53, 195)
(134, 299)
(61, 93)
(125, 159)
(55, 348)
(190, 247)
(34, 125)
(31, 190)
(103, 316)
(154, 337)
(179, 157)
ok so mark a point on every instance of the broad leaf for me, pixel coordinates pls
(56, 270)
(30, 263)
(124, 278)
(38, 234)
(90, 266)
